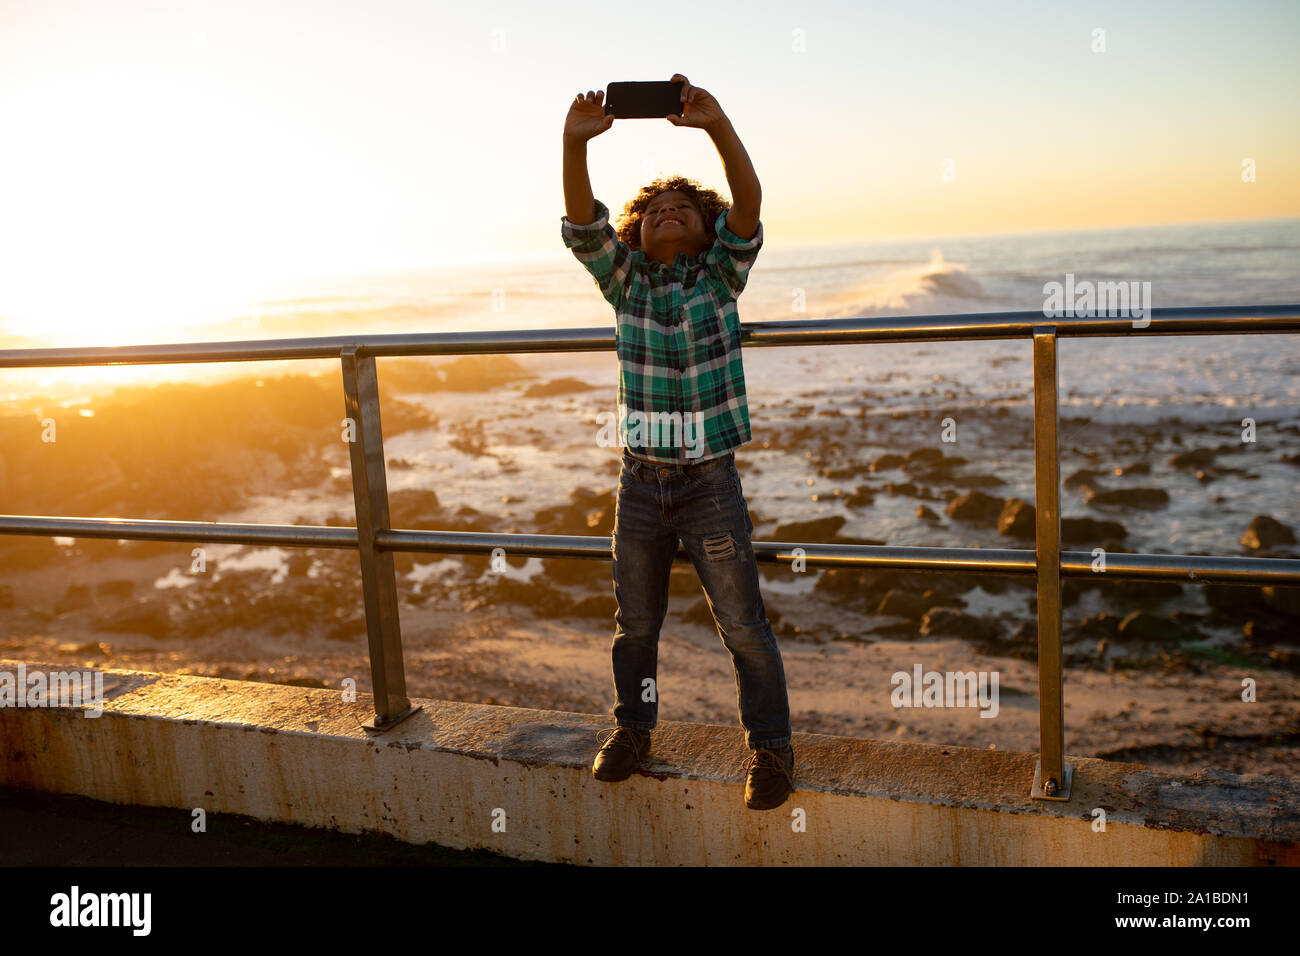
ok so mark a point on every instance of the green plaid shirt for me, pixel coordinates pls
(680, 375)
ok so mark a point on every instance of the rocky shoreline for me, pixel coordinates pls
(299, 618)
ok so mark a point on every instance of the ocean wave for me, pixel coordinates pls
(935, 287)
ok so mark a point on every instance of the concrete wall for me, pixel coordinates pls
(452, 771)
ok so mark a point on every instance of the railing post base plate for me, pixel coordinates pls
(1063, 793)
(371, 727)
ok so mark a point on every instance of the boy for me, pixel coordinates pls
(673, 278)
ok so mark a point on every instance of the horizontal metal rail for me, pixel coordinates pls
(1200, 320)
(138, 529)
(1200, 569)
(376, 542)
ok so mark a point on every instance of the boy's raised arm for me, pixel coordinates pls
(586, 119)
(585, 226)
(702, 111)
(746, 193)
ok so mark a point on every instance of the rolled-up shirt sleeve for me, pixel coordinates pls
(597, 246)
(730, 257)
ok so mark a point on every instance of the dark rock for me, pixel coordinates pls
(906, 488)
(1188, 619)
(906, 604)
(503, 589)
(684, 581)
(975, 506)
(1233, 600)
(861, 497)
(1137, 468)
(1271, 632)
(1196, 458)
(1145, 626)
(1283, 600)
(922, 455)
(349, 628)
(74, 599)
(886, 461)
(1084, 476)
(854, 539)
(1017, 519)
(1129, 498)
(818, 529)
(941, 599)
(925, 514)
(1266, 532)
(1090, 488)
(845, 473)
(413, 508)
(934, 469)
(595, 605)
(848, 583)
(699, 613)
(558, 386)
(142, 616)
(788, 630)
(1103, 624)
(589, 514)
(896, 628)
(1089, 531)
(587, 498)
(1138, 592)
(947, 622)
(575, 571)
(115, 588)
(1071, 588)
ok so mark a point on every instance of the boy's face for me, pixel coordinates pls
(671, 224)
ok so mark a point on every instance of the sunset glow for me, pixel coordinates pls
(172, 159)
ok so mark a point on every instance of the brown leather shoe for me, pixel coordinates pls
(621, 753)
(770, 778)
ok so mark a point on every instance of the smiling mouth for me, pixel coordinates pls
(670, 222)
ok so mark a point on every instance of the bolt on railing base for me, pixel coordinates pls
(377, 724)
(1057, 790)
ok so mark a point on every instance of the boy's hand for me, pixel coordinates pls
(587, 117)
(701, 110)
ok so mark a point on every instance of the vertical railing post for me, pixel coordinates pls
(378, 577)
(1051, 777)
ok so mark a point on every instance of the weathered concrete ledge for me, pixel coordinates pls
(519, 782)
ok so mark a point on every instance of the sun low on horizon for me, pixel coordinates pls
(170, 166)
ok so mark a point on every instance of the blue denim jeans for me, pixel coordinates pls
(704, 506)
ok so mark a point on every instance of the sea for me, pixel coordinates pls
(1215, 381)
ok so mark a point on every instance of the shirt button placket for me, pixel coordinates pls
(679, 348)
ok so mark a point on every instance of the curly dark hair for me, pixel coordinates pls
(707, 201)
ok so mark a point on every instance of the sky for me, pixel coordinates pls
(213, 150)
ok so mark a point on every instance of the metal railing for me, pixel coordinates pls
(377, 542)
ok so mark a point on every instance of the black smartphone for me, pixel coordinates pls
(644, 100)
